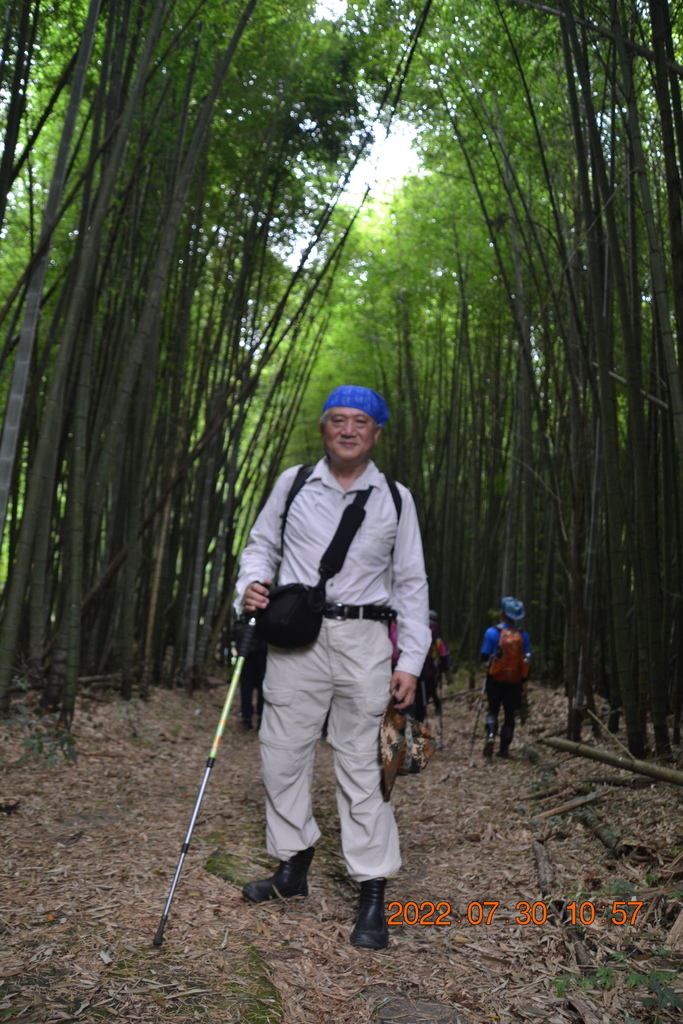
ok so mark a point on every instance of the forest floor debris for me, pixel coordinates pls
(89, 848)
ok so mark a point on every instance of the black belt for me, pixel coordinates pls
(378, 612)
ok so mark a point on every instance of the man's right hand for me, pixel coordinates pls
(256, 595)
(403, 686)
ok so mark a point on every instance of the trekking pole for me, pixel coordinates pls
(476, 721)
(234, 682)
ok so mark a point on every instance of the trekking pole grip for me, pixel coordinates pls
(247, 637)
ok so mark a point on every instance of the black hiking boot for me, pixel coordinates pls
(289, 880)
(491, 726)
(370, 930)
(506, 734)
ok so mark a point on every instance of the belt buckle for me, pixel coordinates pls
(337, 611)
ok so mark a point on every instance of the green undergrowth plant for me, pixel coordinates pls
(658, 996)
(44, 739)
(663, 996)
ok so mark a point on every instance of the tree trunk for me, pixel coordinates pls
(34, 292)
(613, 502)
(41, 475)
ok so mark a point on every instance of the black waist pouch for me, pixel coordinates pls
(293, 617)
(295, 611)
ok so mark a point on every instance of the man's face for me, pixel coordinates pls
(349, 435)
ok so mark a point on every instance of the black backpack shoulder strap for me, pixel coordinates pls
(300, 479)
(351, 519)
(302, 476)
(395, 494)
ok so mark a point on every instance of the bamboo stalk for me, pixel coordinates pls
(613, 737)
(546, 875)
(629, 763)
(569, 805)
(607, 837)
(556, 908)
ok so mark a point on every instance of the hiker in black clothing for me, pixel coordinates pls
(507, 651)
(436, 664)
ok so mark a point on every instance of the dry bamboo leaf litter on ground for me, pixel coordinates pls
(89, 855)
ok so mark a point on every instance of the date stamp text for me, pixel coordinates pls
(588, 912)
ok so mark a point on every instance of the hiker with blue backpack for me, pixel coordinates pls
(506, 649)
(343, 573)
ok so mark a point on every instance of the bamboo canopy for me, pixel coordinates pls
(196, 250)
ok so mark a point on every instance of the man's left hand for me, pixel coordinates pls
(403, 686)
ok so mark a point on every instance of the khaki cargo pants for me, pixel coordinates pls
(347, 672)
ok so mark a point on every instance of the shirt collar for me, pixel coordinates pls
(370, 477)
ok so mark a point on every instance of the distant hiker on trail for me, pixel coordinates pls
(437, 664)
(345, 669)
(507, 652)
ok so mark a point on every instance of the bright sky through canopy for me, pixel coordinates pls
(391, 157)
(387, 163)
(332, 9)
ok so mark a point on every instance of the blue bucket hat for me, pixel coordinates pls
(512, 608)
(352, 396)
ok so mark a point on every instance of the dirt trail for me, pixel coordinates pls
(88, 855)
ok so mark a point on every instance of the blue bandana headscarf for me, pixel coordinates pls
(352, 396)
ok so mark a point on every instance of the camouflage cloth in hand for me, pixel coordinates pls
(405, 746)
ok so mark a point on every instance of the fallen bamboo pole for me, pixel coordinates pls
(556, 908)
(544, 868)
(570, 805)
(630, 764)
(609, 839)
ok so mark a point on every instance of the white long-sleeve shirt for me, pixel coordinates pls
(384, 565)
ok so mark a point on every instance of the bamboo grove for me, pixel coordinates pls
(184, 277)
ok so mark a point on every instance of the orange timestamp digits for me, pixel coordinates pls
(483, 912)
(584, 913)
(429, 913)
(426, 913)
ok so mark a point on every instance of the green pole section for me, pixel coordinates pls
(232, 689)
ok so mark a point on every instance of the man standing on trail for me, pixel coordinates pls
(507, 651)
(345, 675)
